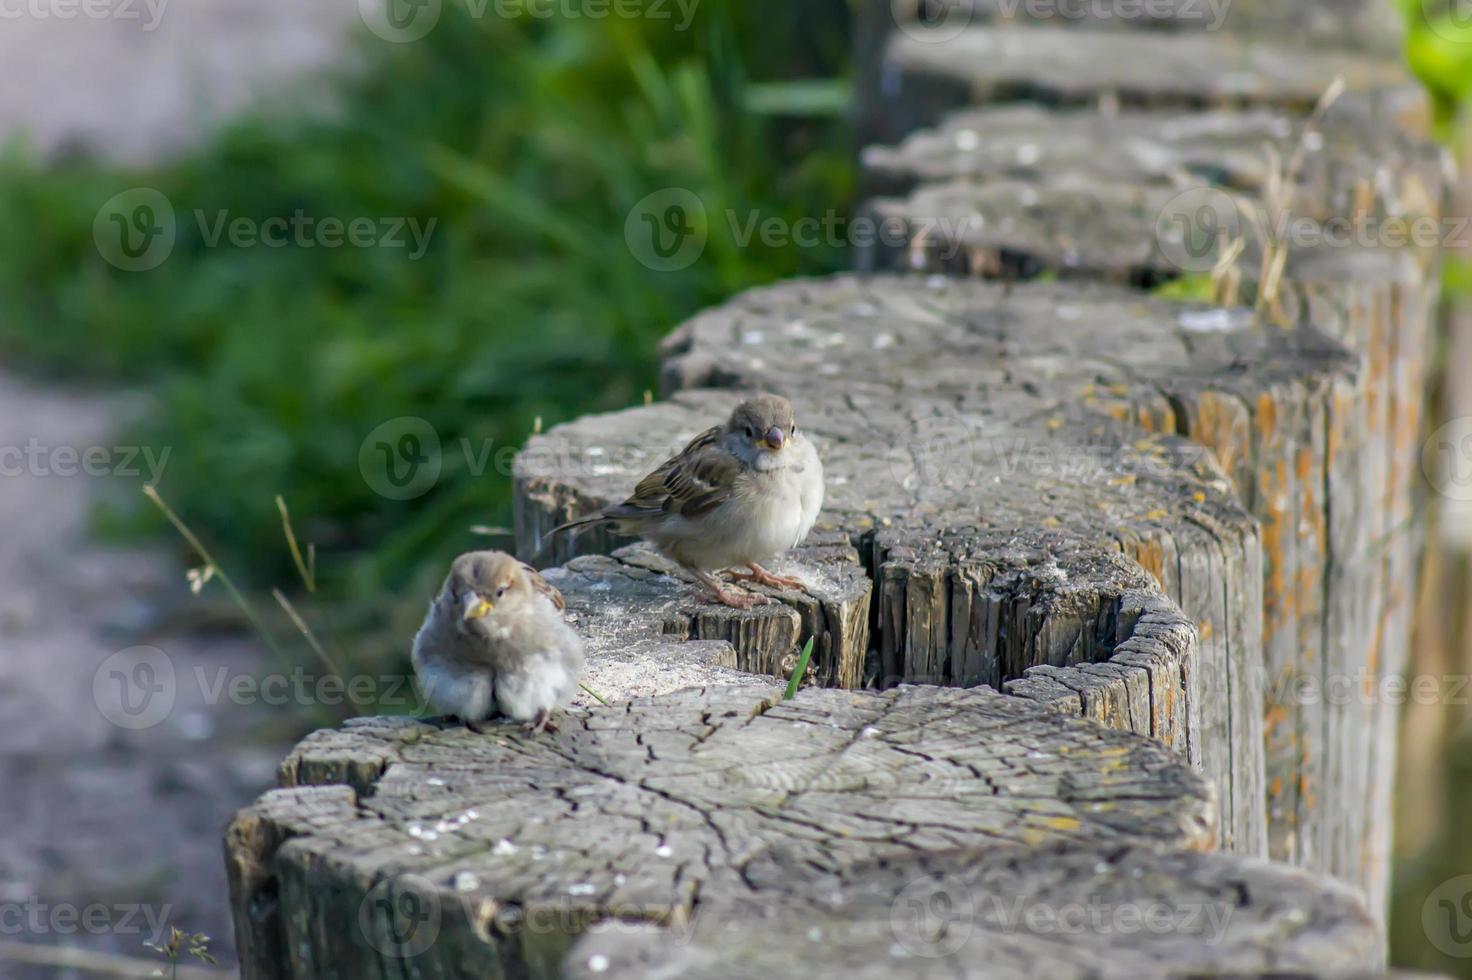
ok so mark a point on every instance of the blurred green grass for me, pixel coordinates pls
(528, 142)
(1431, 901)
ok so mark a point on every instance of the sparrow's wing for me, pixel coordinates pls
(544, 587)
(695, 482)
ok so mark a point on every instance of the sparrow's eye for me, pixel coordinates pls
(750, 432)
(500, 592)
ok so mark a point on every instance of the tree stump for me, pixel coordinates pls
(485, 855)
(1110, 537)
(1077, 187)
(992, 453)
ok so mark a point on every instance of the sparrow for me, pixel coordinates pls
(738, 494)
(495, 640)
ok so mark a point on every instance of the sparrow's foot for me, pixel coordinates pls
(542, 723)
(761, 576)
(479, 727)
(736, 600)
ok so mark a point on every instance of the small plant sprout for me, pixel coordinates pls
(180, 943)
(799, 671)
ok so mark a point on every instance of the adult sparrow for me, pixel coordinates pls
(495, 640)
(738, 494)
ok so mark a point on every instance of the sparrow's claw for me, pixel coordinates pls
(542, 723)
(736, 600)
(761, 576)
(479, 728)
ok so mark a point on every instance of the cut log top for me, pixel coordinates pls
(1144, 68)
(1141, 197)
(1169, 147)
(1351, 24)
(1058, 911)
(650, 811)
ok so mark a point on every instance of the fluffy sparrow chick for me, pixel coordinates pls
(738, 494)
(495, 640)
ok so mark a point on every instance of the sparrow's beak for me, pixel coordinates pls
(774, 438)
(476, 607)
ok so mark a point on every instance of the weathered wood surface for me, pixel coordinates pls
(1143, 197)
(1058, 911)
(1094, 193)
(1336, 24)
(993, 453)
(398, 844)
(1124, 514)
(927, 71)
(1278, 28)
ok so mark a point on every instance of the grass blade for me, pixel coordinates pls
(152, 494)
(800, 670)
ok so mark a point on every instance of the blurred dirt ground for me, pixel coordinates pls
(105, 824)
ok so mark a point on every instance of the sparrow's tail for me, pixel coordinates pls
(589, 521)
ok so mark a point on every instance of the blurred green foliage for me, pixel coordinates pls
(527, 142)
(1431, 903)
(1439, 52)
